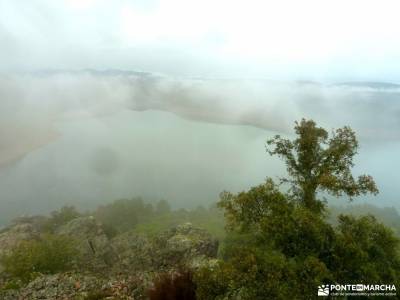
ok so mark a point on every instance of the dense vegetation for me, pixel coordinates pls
(282, 246)
(387, 215)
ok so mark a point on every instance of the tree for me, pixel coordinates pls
(369, 247)
(315, 161)
(279, 245)
(60, 217)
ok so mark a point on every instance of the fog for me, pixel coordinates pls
(174, 99)
(89, 137)
(338, 40)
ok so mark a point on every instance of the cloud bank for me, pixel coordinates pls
(32, 105)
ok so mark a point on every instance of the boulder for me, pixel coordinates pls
(184, 245)
(13, 235)
(57, 286)
(76, 286)
(134, 252)
(92, 242)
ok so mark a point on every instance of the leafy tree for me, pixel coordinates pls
(315, 161)
(365, 251)
(60, 217)
(389, 216)
(274, 247)
(279, 245)
(277, 249)
(65, 214)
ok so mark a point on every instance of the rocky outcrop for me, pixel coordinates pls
(134, 252)
(75, 286)
(183, 245)
(92, 242)
(118, 268)
(190, 241)
(12, 236)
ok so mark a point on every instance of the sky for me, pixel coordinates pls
(308, 39)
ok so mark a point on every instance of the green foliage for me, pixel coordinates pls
(50, 254)
(316, 162)
(124, 214)
(366, 251)
(281, 246)
(216, 282)
(10, 284)
(278, 248)
(387, 215)
(256, 273)
(247, 209)
(98, 295)
(59, 218)
(109, 230)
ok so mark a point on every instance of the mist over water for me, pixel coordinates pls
(90, 137)
(152, 154)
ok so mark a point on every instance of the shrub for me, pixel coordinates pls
(48, 255)
(60, 217)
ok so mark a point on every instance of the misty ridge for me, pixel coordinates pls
(86, 137)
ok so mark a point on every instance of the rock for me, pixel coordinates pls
(191, 241)
(93, 243)
(128, 263)
(134, 252)
(57, 286)
(184, 245)
(83, 227)
(81, 286)
(12, 236)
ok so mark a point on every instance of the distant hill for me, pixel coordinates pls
(105, 72)
(369, 84)
(136, 73)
